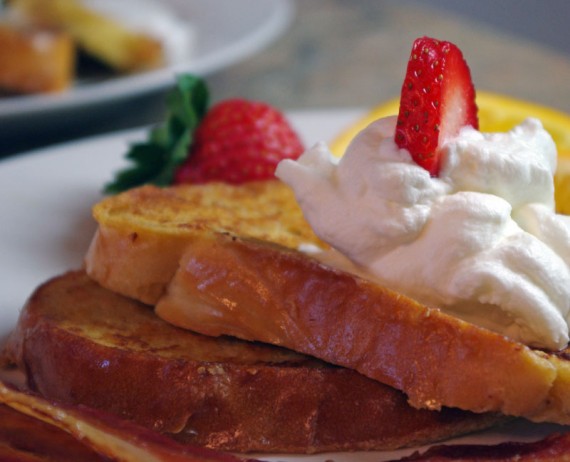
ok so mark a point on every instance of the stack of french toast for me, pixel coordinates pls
(92, 337)
(230, 255)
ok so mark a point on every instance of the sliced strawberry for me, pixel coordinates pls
(437, 100)
(238, 141)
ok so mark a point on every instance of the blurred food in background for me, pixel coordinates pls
(45, 43)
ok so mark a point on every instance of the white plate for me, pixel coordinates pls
(46, 228)
(224, 35)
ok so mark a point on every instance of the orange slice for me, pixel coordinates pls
(497, 113)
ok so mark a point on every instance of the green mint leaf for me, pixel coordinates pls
(167, 146)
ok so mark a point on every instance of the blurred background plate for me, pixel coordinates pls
(224, 35)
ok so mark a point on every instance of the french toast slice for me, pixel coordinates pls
(82, 344)
(143, 231)
(233, 282)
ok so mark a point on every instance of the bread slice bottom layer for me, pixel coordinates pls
(80, 343)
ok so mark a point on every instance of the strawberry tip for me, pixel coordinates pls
(437, 92)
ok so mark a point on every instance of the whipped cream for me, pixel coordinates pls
(482, 241)
(153, 18)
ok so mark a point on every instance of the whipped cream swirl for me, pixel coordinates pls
(482, 241)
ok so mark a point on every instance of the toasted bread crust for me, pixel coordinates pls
(80, 343)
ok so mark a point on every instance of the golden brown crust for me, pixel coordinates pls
(80, 343)
(264, 210)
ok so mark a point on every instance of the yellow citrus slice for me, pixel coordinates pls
(562, 184)
(497, 113)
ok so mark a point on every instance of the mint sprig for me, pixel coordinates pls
(156, 159)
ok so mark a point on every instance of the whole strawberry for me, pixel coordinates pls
(437, 100)
(234, 141)
(238, 141)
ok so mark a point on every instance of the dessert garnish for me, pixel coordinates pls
(239, 141)
(156, 159)
(468, 226)
(437, 100)
(234, 141)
